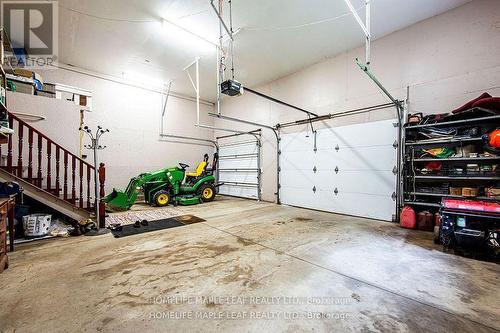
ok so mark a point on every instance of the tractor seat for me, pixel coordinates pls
(199, 170)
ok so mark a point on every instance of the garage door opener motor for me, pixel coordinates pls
(231, 88)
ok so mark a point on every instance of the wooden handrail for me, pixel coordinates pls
(24, 123)
(73, 183)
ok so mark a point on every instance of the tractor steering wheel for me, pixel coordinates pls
(183, 166)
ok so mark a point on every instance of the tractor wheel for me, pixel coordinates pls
(207, 193)
(161, 198)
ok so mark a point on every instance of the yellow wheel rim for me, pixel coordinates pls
(163, 199)
(207, 193)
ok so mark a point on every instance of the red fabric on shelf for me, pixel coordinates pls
(491, 103)
(472, 205)
(470, 104)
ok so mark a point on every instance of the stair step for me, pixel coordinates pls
(47, 198)
(54, 165)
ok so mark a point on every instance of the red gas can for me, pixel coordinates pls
(408, 219)
(425, 221)
(437, 224)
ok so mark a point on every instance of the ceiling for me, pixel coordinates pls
(114, 37)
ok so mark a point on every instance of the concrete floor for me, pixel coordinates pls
(262, 267)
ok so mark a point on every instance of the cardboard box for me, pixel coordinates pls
(24, 88)
(23, 73)
(83, 100)
(469, 192)
(45, 94)
(49, 87)
(493, 192)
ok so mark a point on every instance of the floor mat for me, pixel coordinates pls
(130, 217)
(179, 221)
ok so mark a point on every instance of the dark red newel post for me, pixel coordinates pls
(102, 193)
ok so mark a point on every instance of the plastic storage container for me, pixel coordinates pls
(37, 225)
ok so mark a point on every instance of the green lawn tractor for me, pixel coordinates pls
(168, 186)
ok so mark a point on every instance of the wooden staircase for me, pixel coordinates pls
(50, 173)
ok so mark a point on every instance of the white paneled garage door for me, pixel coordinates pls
(351, 172)
(239, 169)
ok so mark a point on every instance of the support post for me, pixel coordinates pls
(368, 28)
(219, 77)
(365, 26)
(196, 87)
(102, 193)
(221, 19)
(198, 90)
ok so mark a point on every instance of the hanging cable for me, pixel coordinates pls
(222, 68)
(106, 18)
(305, 25)
(225, 52)
(232, 39)
(112, 19)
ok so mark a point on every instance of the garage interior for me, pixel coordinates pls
(222, 165)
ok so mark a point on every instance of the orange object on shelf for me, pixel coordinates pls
(469, 192)
(494, 138)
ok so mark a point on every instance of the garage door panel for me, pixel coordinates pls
(382, 182)
(369, 158)
(324, 160)
(239, 163)
(236, 191)
(298, 196)
(369, 134)
(380, 207)
(299, 178)
(238, 177)
(365, 181)
(239, 149)
(343, 203)
(325, 140)
(297, 142)
(324, 175)
(302, 160)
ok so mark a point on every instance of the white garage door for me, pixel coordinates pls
(351, 172)
(239, 167)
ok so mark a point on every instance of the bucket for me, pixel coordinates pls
(37, 225)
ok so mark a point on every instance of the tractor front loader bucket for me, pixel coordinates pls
(117, 200)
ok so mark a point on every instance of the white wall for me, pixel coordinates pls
(445, 60)
(133, 118)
